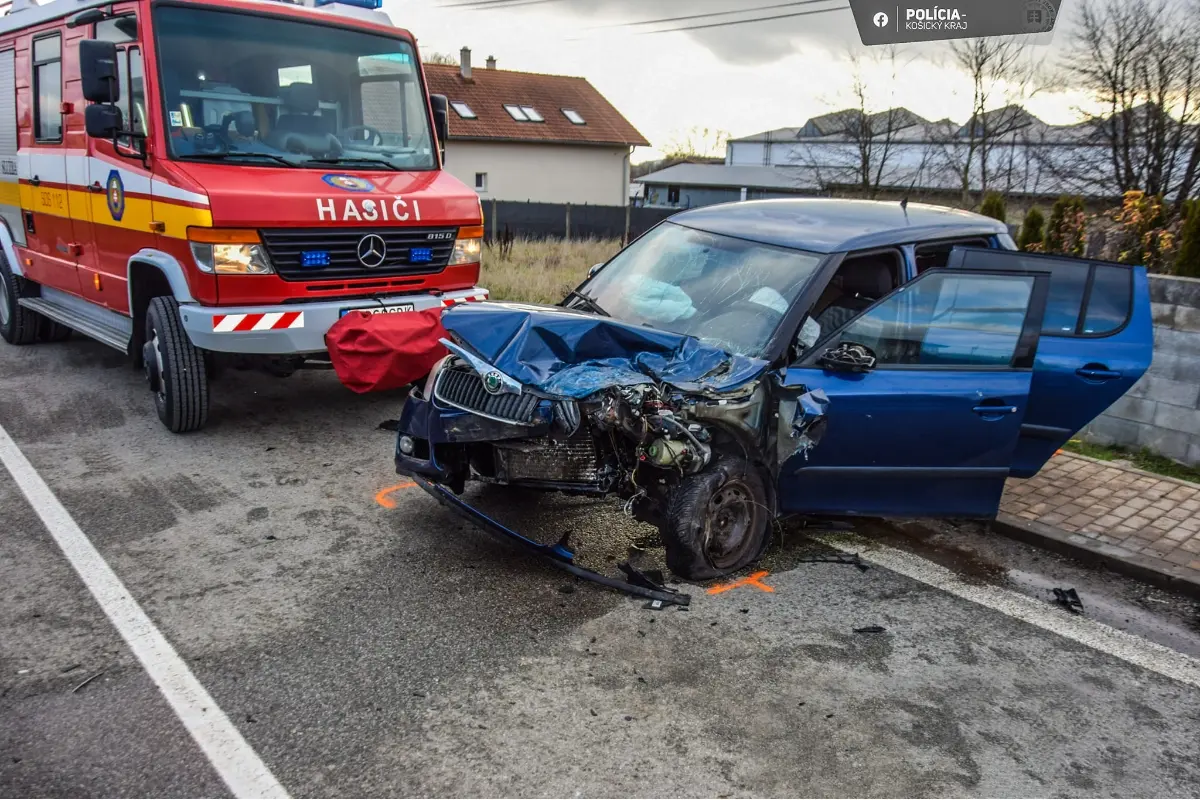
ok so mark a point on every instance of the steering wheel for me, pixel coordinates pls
(373, 139)
(215, 138)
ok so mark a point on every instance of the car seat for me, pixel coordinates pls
(299, 129)
(863, 281)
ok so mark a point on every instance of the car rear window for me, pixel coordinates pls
(1101, 293)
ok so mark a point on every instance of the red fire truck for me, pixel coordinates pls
(211, 183)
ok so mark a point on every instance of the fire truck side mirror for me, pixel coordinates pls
(441, 120)
(98, 71)
(102, 121)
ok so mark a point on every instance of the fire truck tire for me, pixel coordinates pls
(17, 325)
(717, 521)
(51, 331)
(174, 369)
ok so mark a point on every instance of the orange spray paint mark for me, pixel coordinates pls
(387, 502)
(753, 580)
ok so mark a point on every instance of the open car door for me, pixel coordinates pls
(1097, 341)
(930, 426)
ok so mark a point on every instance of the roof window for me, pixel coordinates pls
(573, 115)
(532, 114)
(463, 109)
(516, 113)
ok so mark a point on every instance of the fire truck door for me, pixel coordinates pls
(42, 168)
(118, 184)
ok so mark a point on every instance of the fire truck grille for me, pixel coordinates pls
(308, 254)
(463, 388)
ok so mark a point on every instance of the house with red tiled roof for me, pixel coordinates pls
(524, 136)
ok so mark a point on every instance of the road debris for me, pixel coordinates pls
(836, 558)
(871, 629)
(1068, 599)
(86, 681)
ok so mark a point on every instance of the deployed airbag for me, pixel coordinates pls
(379, 352)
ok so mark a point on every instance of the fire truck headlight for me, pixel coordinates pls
(232, 259)
(468, 247)
(229, 251)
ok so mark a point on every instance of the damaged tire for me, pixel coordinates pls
(717, 521)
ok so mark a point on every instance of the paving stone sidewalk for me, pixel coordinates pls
(1123, 515)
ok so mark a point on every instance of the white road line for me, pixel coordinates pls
(234, 760)
(1098, 636)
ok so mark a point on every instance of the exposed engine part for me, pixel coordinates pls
(576, 460)
(668, 453)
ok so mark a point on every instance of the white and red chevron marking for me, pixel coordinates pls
(240, 323)
(472, 298)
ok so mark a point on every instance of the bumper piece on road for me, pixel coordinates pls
(557, 554)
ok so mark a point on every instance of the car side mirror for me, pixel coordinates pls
(441, 120)
(848, 357)
(98, 71)
(102, 121)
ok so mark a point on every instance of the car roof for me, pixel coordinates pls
(823, 225)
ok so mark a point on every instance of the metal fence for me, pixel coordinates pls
(567, 221)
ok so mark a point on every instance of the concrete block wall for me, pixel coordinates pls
(1161, 412)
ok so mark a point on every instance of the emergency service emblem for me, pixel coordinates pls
(349, 183)
(115, 191)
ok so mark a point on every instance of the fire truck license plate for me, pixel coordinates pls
(395, 308)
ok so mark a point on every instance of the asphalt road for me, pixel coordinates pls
(367, 650)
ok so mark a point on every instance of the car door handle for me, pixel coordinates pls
(988, 411)
(95, 187)
(35, 181)
(1097, 373)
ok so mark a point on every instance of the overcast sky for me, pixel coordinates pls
(739, 78)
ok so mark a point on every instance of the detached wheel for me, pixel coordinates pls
(717, 521)
(17, 325)
(174, 368)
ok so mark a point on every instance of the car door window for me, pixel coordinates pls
(946, 319)
(935, 255)
(1086, 298)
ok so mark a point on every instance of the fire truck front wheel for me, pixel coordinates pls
(17, 325)
(175, 369)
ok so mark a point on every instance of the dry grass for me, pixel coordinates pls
(542, 271)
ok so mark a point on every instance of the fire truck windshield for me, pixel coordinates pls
(262, 90)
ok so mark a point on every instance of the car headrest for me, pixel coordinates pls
(300, 98)
(871, 278)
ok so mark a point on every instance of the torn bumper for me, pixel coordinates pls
(560, 555)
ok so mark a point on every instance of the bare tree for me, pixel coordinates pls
(860, 146)
(1002, 77)
(697, 142)
(434, 57)
(1140, 59)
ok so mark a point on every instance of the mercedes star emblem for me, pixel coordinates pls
(372, 250)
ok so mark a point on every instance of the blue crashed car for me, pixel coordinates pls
(809, 357)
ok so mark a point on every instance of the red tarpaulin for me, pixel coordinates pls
(378, 352)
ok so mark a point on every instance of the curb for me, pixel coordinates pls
(1118, 559)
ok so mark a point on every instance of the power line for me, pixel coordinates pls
(743, 21)
(709, 14)
(483, 5)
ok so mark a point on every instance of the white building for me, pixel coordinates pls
(521, 136)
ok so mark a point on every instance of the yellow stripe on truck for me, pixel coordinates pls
(138, 214)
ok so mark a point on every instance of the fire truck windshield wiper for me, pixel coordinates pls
(235, 155)
(355, 160)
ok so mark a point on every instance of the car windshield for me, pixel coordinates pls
(731, 293)
(259, 90)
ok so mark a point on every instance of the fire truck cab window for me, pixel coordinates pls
(237, 86)
(47, 83)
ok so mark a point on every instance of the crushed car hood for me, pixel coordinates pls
(567, 353)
